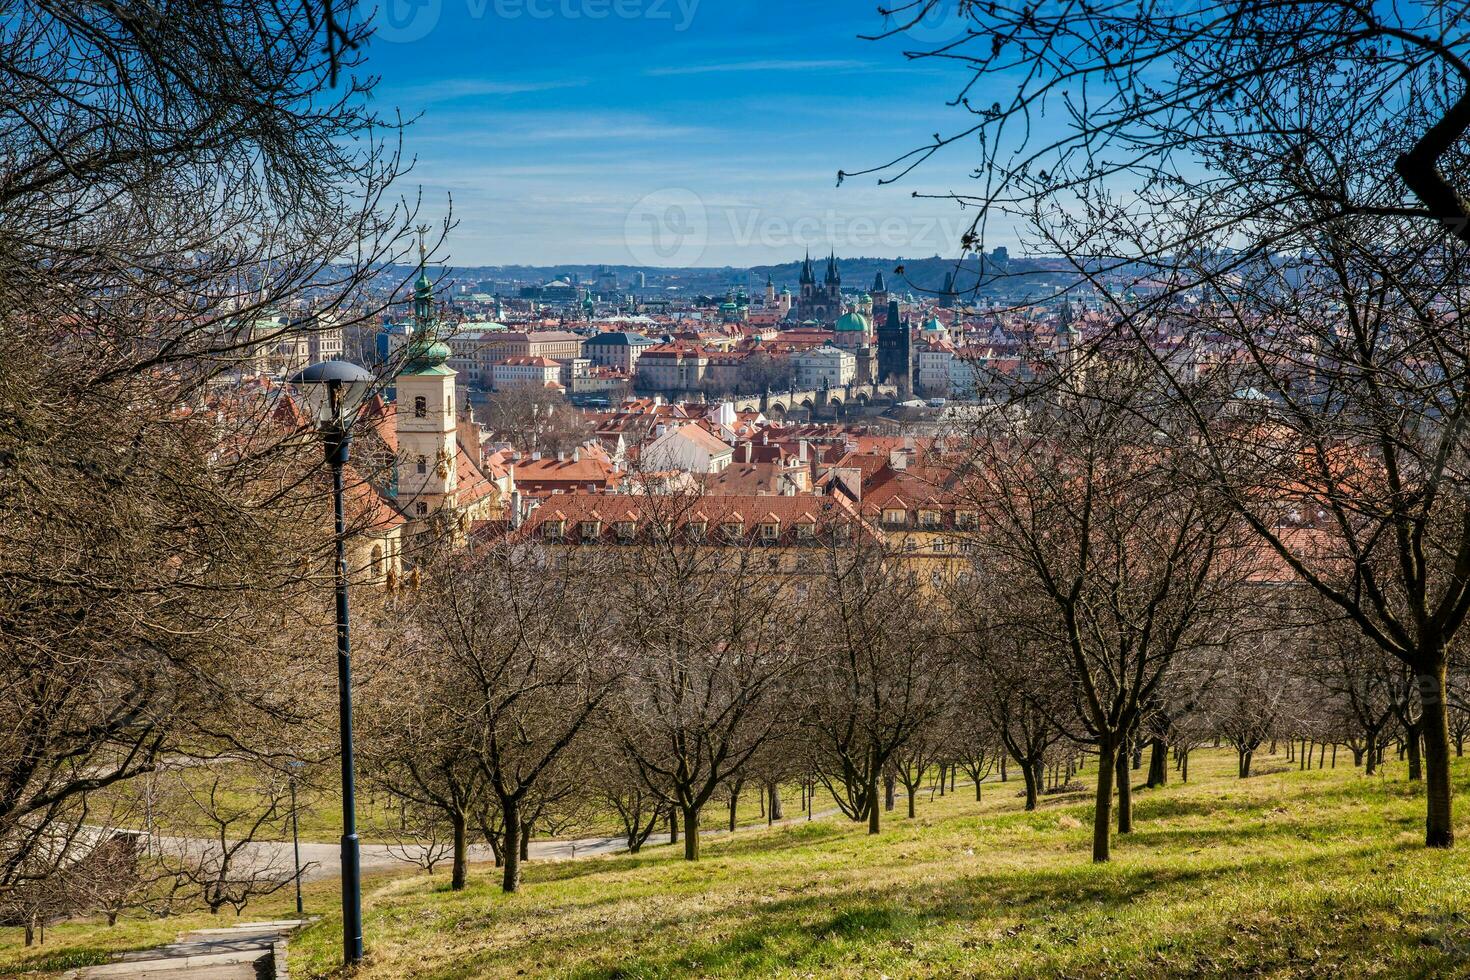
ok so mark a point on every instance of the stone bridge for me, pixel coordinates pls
(778, 403)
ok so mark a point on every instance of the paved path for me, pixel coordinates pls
(247, 951)
(323, 859)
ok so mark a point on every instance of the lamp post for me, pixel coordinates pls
(296, 838)
(335, 389)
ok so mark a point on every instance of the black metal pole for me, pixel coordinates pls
(296, 848)
(338, 440)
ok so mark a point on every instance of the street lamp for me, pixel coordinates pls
(333, 390)
(296, 836)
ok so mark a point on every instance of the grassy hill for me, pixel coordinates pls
(1286, 874)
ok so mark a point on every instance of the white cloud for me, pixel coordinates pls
(774, 65)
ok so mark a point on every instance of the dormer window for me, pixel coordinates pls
(895, 515)
(805, 531)
(553, 530)
(929, 518)
(965, 520)
(770, 531)
(625, 530)
(695, 530)
(591, 529)
(733, 529)
(420, 407)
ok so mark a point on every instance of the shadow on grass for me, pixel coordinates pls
(817, 931)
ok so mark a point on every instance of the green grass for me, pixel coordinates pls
(1288, 874)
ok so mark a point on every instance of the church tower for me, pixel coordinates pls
(425, 422)
(880, 295)
(895, 364)
(834, 287)
(808, 294)
(770, 292)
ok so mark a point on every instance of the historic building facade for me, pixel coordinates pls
(820, 302)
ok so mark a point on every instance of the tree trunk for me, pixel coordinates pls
(977, 790)
(1125, 797)
(773, 808)
(1003, 774)
(911, 794)
(673, 826)
(734, 802)
(1103, 811)
(526, 841)
(1028, 773)
(1158, 769)
(888, 792)
(1245, 762)
(873, 804)
(691, 834)
(510, 880)
(461, 853)
(1434, 721)
(1184, 767)
(1416, 767)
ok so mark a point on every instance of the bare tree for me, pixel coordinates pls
(511, 662)
(1131, 559)
(879, 673)
(176, 174)
(1294, 201)
(712, 634)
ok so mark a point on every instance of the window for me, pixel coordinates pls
(421, 509)
(423, 465)
(695, 530)
(895, 516)
(449, 403)
(553, 530)
(377, 566)
(770, 531)
(732, 530)
(805, 531)
(420, 407)
(929, 518)
(591, 529)
(965, 519)
(625, 530)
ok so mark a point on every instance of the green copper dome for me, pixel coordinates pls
(853, 322)
(933, 324)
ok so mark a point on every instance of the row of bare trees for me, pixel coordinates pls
(1273, 193)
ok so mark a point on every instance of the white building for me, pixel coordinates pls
(526, 372)
(690, 448)
(825, 366)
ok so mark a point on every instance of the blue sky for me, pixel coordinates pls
(669, 132)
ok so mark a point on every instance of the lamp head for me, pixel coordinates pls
(333, 391)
